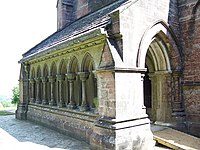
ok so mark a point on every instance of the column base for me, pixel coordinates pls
(52, 103)
(21, 112)
(71, 106)
(130, 135)
(84, 108)
(61, 104)
(38, 102)
(45, 102)
(32, 100)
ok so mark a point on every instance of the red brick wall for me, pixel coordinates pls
(83, 7)
(189, 12)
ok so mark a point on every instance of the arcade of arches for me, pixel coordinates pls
(65, 85)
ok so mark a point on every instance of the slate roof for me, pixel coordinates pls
(95, 20)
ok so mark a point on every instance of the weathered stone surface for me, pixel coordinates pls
(110, 50)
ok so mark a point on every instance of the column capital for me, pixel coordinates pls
(38, 80)
(32, 80)
(60, 77)
(44, 79)
(71, 76)
(94, 73)
(51, 78)
(84, 75)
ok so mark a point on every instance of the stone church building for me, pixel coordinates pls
(112, 68)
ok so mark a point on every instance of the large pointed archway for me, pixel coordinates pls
(158, 72)
(159, 53)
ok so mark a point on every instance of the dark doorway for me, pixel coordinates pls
(147, 93)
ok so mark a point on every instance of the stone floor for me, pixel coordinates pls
(23, 135)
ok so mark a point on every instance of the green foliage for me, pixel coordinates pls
(15, 95)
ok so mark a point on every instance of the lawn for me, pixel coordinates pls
(4, 112)
(6, 107)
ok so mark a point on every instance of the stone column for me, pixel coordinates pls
(83, 77)
(60, 81)
(66, 91)
(178, 110)
(38, 98)
(32, 93)
(71, 77)
(52, 99)
(44, 83)
(22, 107)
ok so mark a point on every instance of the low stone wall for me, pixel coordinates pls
(70, 122)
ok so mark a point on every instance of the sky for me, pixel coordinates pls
(23, 24)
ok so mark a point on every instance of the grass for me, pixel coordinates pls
(5, 106)
(4, 112)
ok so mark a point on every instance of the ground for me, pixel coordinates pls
(34, 136)
(24, 134)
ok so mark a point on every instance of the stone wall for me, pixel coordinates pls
(189, 12)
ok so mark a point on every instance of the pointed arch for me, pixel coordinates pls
(38, 74)
(73, 69)
(160, 53)
(73, 65)
(91, 83)
(53, 70)
(161, 34)
(45, 71)
(87, 63)
(62, 67)
(32, 75)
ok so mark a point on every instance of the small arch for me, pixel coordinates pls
(88, 63)
(32, 75)
(91, 84)
(73, 65)
(45, 71)
(53, 70)
(38, 72)
(62, 67)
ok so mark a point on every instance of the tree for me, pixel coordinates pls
(15, 95)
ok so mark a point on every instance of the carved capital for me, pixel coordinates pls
(31, 81)
(83, 76)
(38, 80)
(71, 76)
(44, 79)
(51, 78)
(60, 77)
